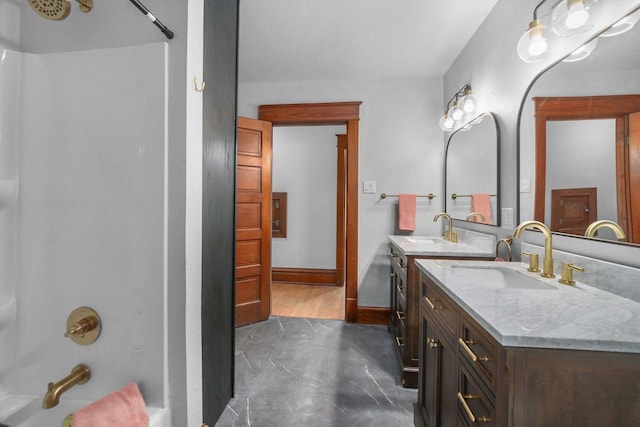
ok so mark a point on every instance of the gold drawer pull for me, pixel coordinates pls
(400, 344)
(470, 352)
(472, 417)
(432, 343)
(400, 315)
(431, 304)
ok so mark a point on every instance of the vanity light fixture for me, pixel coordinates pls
(533, 45)
(446, 122)
(571, 17)
(568, 18)
(461, 105)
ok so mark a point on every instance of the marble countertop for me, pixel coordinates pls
(437, 246)
(552, 315)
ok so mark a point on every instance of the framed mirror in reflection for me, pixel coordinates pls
(471, 171)
(580, 143)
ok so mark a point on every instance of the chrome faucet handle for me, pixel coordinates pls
(533, 262)
(567, 273)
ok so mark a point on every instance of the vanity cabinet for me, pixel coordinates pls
(468, 379)
(404, 319)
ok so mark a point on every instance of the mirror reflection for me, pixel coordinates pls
(471, 171)
(580, 143)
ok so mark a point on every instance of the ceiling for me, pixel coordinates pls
(298, 40)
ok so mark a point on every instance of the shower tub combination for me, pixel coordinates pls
(83, 196)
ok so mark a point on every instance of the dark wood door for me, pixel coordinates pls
(253, 221)
(573, 209)
(218, 213)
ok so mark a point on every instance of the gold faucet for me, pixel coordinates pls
(478, 214)
(547, 269)
(595, 226)
(508, 241)
(79, 375)
(567, 273)
(449, 235)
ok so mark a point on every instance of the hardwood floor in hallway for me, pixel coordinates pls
(310, 301)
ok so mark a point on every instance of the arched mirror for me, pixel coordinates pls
(472, 171)
(579, 142)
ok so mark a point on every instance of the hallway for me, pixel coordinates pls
(311, 301)
(311, 372)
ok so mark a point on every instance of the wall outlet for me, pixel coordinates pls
(368, 187)
(507, 218)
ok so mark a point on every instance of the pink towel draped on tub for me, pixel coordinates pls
(406, 212)
(123, 408)
(482, 204)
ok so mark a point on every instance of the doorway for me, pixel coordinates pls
(338, 113)
(308, 221)
(335, 113)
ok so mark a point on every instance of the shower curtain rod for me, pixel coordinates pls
(167, 32)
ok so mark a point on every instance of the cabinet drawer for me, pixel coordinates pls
(473, 404)
(480, 352)
(439, 304)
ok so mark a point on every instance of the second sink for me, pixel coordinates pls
(499, 278)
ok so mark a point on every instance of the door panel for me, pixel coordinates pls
(253, 221)
(573, 209)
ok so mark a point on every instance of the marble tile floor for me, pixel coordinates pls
(317, 373)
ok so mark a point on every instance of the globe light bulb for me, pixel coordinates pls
(446, 123)
(537, 44)
(533, 46)
(577, 15)
(469, 102)
(456, 112)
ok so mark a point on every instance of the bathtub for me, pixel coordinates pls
(26, 411)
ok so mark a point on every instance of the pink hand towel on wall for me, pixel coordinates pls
(407, 212)
(481, 203)
(123, 408)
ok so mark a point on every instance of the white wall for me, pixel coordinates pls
(490, 64)
(10, 70)
(92, 225)
(400, 148)
(305, 167)
(115, 24)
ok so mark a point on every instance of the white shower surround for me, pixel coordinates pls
(89, 226)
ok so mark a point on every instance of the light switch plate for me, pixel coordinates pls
(368, 187)
(525, 185)
(507, 218)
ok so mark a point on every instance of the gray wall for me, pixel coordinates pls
(400, 149)
(304, 166)
(490, 64)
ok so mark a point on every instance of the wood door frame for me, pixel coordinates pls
(332, 113)
(341, 208)
(562, 108)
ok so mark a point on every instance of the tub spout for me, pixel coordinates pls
(79, 375)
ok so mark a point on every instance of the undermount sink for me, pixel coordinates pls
(499, 278)
(421, 240)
